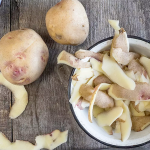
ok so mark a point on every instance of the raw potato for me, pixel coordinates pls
(67, 22)
(23, 56)
(20, 95)
(140, 123)
(117, 129)
(102, 99)
(83, 73)
(75, 94)
(51, 141)
(108, 129)
(96, 65)
(116, 74)
(81, 54)
(68, 59)
(130, 74)
(101, 79)
(146, 63)
(114, 24)
(123, 117)
(91, 81)
(4, 142)
(21, 145)
(141, 106)
(125, 126)
(123, 57)
(92, 101)
(108, 117)
(97, 110)
(134, 112)
(141, 92)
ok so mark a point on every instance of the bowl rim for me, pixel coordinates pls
(71, 107)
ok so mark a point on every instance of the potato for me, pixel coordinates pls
(67, 22)
(140, 123)
(23, 56)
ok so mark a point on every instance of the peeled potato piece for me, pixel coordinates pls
(123, 57)
(114, 24)
(20, 95)
(101, 79)
(4, 142)
(141, 106)
(141, 92)
(140, 123)
(70, 60)
(130, 74)
(51, 141)
(120, 103)
(92, 101)
(146, 63)
(116, 74)
(137, 67)
(97, 110)
(108, 117)
(134, 112)
(96, 65)
(102, 99)
(125, 127)
(81, 54)
(108, 129)
(91, 81)
(83, 73)
(117, 129)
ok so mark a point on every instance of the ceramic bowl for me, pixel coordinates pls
(138, 45)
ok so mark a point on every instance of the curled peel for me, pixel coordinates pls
(102, 86)
(90, 112)
(20, 95)
(70, 60)
(81, 54)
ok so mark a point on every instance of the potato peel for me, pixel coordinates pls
(20, 95)
(116, 74)
(108, 117)
(70, 60)
(90, 112)
(81, 54)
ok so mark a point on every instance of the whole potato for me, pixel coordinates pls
(23, 56)
(67, 22)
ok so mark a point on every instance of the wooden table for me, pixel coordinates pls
(48, 107)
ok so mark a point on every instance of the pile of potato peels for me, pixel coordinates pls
(113, 84)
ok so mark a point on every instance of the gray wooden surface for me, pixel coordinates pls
(48, 107)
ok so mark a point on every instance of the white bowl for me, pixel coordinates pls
(138, 45)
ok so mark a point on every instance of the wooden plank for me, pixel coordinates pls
(48, 107)
(5, 94)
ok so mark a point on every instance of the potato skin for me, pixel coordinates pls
(67, 22)
(23, 56)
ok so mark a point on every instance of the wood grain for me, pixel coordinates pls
(5, 94)
(48, 107)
